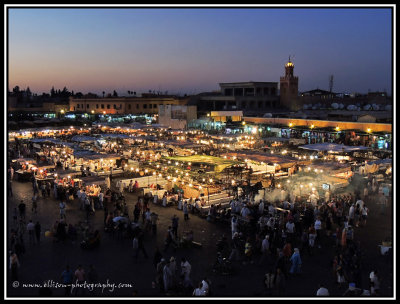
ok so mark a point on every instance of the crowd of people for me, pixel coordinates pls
(279, 235)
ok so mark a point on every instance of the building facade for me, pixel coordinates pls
(250, 97)
(123, 105)
(176, 116)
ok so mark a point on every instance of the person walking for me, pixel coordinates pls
(169, 238)
(38, 230)
(48, 188)
(34, 203)
(67, 278)
(234, 225)
(31, 231)
(248, 251)
(22, 209)
(296, 262)
(92, 277)
(364, 215)
(141, 244)
(383, 203)
(269, 279)
(167, 277)
(175, 223)
(9, 188)
(312, 235)
(14, 266)
(173, 269)
(15, 216)
(136, 213)
(280, 282)
(55, 191)
(154, 219)
(318, 229)
(135, 247)
(235, 245)
(185, 211)
(43, 188)
(185, 273)
(88, 207)
(322, 291)
(79, 278)
(375, 282)
(264, 249)
(101, 199)
(62, 210)
(159, 274)
(199, 290)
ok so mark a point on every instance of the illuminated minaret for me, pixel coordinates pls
(289, 88)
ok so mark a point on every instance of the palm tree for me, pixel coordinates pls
(129, 92)
(103, 93)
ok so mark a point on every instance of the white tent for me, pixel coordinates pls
(330, 147)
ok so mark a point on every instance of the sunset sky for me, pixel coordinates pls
(192, 50)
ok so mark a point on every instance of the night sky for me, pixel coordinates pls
(192, 50)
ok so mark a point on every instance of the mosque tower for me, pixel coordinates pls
(289, 88)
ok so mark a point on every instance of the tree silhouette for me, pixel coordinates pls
(115, 94)
(103, 93)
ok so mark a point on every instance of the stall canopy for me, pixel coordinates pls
(93, 180)
(282, 161)
(102, 156)
(115, 135)
(387, 162)
(90, 155)
(218, 163)
(83, 153)
(83, 138)
(51, 140)
(272, 139)
(330, 147)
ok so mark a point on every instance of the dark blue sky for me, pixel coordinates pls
(192, 50)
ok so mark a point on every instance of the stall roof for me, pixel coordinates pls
(112, 135)
(52, 140)
(331, 167)
(93, 180)
(83, 153)
(333, 147)
(182, 144)
(24, 160)
(81, 138)
(387, 161)
(283, 161)
(219, 162)
(275, 139)
(101, 156)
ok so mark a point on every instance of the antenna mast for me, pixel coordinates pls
(330, 83)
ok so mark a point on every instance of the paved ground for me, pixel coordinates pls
(113, 259)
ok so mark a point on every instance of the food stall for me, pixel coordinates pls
(23, 168)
